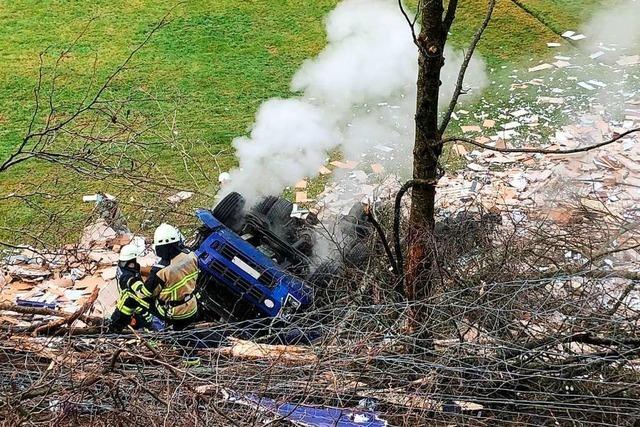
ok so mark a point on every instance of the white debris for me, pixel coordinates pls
(597, 83)
(578, 37)
(383, 148)
(224, 177)
(97, 197)
(629, 60)
(550, 100)
(180, 197)
(519, 182)
(568, 34)
(596, 55)
(586, 85)
(554, 44)
(540, 67)
(562, 64)
(519, 113)
(510, 125)
(476, 167)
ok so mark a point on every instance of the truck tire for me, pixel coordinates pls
(280, 211)
(229, 210)
(264, 205)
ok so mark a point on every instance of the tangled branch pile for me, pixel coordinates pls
(522, 329)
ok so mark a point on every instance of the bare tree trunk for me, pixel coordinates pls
(426, 152)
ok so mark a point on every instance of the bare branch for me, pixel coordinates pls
(465, 64)
(450, 16)
(412, 27)
(616, 137)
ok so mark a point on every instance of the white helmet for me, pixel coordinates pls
(130, 252)
(166, 234)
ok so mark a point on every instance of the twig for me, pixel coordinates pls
(465, 63)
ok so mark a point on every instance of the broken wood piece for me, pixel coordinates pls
(323, 170)
(348, 164)
(540, 67)
(474, 128)
(29, 272)
(301, 197)
(488, 123)
(48, 312)
(302, 184)
(418, 400)
(287, 354)
(459, 149)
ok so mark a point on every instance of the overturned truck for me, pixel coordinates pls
(258, 263)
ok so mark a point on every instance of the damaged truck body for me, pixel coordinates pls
(258, 264)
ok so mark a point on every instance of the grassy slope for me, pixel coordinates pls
(217, 61)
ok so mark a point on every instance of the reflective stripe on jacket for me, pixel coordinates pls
(175, 298)
(129, 303)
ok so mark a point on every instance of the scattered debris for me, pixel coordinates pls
(540, 67)
(307, 415)
(179, 197)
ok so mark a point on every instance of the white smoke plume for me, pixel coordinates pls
(616, 26)
(357, 93)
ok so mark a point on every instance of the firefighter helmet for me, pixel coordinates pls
(166, 234)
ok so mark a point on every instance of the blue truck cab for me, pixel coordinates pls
(243, 278)
(258, 263)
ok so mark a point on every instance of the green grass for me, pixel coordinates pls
(213, 64)
(563, 15)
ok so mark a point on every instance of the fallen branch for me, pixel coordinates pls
(49, 312)
(580, 337)
(285, 354)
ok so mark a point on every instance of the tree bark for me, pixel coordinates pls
(426, 152)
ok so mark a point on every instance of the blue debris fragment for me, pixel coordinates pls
(308, 415)
(37, 304)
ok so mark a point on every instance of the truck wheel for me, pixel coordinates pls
(356, 223)
(265, 204)
(280, 211)
(229, 210)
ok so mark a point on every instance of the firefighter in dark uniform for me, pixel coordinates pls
(131, 309)
(172, 282)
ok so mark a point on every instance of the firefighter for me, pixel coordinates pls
(172, 282)
(131, 309)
